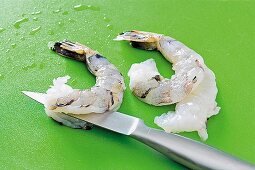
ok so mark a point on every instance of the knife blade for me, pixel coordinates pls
(115, 121)
(190, 153)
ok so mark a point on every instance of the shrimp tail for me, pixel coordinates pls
(71, 50)
(140, 39)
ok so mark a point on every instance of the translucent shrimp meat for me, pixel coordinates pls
(105, 96)
(192, 87)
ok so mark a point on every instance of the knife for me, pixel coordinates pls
(190, 153)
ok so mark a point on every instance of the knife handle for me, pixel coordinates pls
(190, 153)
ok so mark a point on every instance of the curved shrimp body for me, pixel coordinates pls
(193, 86)
(105, 96)
(145, 80)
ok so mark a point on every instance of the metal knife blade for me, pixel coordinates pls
(190, 153)
(115, 121)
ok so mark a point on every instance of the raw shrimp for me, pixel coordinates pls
(106, 95)
(145, 80)
(193, 84)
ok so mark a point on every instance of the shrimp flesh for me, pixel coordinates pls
(192, 86)
(105, 96)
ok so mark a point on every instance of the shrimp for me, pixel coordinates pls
(192, 86)
(145, 80)
(105, 96)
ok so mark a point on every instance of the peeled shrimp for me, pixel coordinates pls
(192, 86)
(106, 95)
(145, 80)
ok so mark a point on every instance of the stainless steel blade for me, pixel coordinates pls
(39, 97)
(114, 121)
(192, 154)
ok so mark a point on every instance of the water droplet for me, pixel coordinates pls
(80, 7)
(108, 36)
(22, 38)
(36, 13)
(20, 21)
(93, 8)
(109, 26)
(51, 32)
(13, 45)
(2, 29)
(71, 20)
(65, 13)
(61, 24)
(85, 7)
(56, 11)
(35, 30)
(33, 65)
(35, 19)
(106, 19)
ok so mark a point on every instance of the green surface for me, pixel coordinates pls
(222, 32)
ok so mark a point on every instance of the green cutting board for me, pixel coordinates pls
(223, 32)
